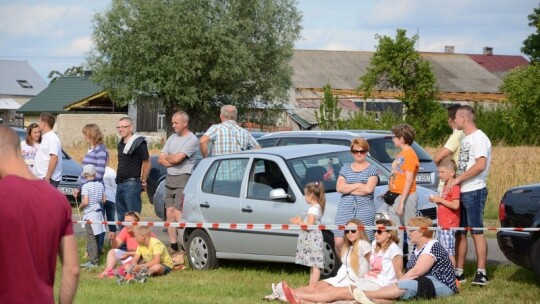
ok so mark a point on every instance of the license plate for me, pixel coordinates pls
(67, 191)
(423, 178)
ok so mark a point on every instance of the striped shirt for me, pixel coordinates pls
(95, 191)
(96, 156)
(228, 137)
(361, 207)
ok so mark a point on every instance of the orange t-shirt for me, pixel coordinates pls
(406, 160)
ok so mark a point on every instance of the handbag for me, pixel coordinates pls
(390, 197)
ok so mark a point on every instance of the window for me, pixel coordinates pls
(224, 177)
(265, 176)
(298, 141)
(267, 142)
(161, 120)
(25, 84)
(339, 142)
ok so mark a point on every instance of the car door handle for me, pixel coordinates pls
(204, 205)
(247, 209)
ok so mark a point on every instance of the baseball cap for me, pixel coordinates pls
(89, 169)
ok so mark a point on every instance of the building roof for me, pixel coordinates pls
(61, 94)
(18, 78)
(499, 65)
(8, 104)
(341, 69)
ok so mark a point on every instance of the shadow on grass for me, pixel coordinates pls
(268, 267)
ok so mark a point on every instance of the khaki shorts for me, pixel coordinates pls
(174, 188)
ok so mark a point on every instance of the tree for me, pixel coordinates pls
(328, 116)
(72, 71)
(531, 45)
(523, 88)
(397, 66)
(196, 55)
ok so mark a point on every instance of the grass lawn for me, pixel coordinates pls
(246, 282)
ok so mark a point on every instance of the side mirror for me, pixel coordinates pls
(280, 194)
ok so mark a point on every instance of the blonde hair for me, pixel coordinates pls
(93, 132)
(317, 189)
(422, 222)
(353, 260)
(393, 235)
(142, 230)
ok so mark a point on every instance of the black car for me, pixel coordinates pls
(520, 208)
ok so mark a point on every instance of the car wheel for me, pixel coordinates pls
(201, 252)
(159, 201)
(331, 261)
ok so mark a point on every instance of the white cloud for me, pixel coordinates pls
(77, 47)
(35, 20)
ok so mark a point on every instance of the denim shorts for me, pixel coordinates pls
(411, 288)
(472, 210)
(166, 269)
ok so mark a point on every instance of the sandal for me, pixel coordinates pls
(289, 293)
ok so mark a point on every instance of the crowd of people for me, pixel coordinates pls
(371, 260)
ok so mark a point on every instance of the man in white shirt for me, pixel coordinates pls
(48, 161)
(453, 144)
(473, 168)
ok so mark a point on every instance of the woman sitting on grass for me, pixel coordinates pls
(355, 257)
(126, 236)
(430, 273)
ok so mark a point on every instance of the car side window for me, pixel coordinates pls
(339, 142)
(265, 176)
(297, 141)
(224, 177)
(267, 142)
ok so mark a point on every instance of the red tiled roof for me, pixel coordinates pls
(499, 63)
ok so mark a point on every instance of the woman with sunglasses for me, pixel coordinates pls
(429, 270)
(355, 257)
(356, 183)
(126, 236)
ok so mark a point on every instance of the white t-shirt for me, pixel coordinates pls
(345, 275)
(29, 153)
(316, 211)
(474, 146)
(110, 184)
(50, 144)
(454, 144)
(381, 268)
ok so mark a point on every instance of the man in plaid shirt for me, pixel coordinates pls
(227, 137)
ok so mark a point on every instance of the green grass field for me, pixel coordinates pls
(246, 282)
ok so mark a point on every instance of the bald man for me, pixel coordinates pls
(36, 227)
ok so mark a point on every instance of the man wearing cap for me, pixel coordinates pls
(36, 229)
(178, 157)
(133, 169)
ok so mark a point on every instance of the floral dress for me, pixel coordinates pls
(309, 249)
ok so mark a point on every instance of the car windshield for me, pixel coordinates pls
(384, 150)
(326, 167)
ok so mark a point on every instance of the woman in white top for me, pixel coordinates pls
(355, 258)
(30, 145)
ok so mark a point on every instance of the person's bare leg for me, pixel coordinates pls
(338, 244)
(480, 246)
(111, 260)
(314, 276)
(326, 295)
(156, 269)
(387, 293)
(171, 231)
(461, 249)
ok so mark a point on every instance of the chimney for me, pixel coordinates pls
(87, 73)
(449, 49)
(488, 51)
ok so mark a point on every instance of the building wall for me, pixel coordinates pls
(69, 126)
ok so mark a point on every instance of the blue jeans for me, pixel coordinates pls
(128, 198)
(411, 288)
(472, 210)
(109, 213)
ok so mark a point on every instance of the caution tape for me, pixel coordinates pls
(247, 226)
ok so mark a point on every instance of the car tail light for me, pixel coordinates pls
(502, 213)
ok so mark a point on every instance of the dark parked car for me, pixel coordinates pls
(520, 207)
(381, 148)
(71, 170)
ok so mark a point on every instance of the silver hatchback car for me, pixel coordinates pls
(266, 187)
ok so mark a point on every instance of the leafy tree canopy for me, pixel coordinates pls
(72, 71)
(531, 45)
(196, 55)
(328, 116)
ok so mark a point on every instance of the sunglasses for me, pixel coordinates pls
(379, 232)
(351, 231)
(359, 152)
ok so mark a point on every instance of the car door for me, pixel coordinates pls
(219, 199)
(266, 174)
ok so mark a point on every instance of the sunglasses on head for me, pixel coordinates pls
(351, 230)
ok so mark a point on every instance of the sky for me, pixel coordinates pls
(57, 34)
